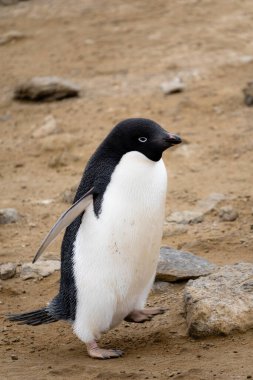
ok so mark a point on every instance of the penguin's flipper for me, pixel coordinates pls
(65, 220)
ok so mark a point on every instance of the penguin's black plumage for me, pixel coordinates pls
(135, 140)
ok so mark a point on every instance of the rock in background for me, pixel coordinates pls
(48, 127)
(12, 35)
(221, 302)
(203, 207)
(174, 265)
(248, 94)
(161, 287)
(39, 269)
(8, 215)
(7, 271)
(228, 214)
(173, 86)
(46, 89)
(186, 217)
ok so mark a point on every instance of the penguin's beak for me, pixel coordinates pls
(170, 139)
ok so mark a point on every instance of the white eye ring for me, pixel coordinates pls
(142, 139)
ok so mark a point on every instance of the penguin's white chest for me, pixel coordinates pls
(115, 255)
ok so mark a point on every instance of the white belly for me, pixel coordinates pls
(115, 255)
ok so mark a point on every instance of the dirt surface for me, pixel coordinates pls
(120, 52)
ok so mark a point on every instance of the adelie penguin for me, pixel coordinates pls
(111, 245)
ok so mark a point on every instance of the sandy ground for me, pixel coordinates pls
(120, 52)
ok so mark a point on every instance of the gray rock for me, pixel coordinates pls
(228, 214)
(8, 215)
(186, 217)
(7, 271)
(160, 287)
(203, 206)
(49, 127)
(46, 89)
(221, 302)
(174, 265)
(39, 269)
(248, 94)
(173, 86)
(12, 35)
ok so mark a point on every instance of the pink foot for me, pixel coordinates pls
(137, 316)
(154, 311)
(100, 353)
(140, 316)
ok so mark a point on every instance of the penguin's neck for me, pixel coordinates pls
(139, 179)
(135, 169)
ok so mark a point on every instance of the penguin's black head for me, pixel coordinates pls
(142, 135)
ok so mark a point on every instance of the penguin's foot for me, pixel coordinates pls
(100, 353)
(154, 311)
(140, 316)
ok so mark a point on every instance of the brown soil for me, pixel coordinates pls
(120, 52)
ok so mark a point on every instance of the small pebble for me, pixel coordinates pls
(228, 214)
(248, 94)
(8, 215)
(12, 35)
(48, 127)
(173, 86)
(7, 271)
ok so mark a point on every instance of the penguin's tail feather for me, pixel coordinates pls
(34, 318)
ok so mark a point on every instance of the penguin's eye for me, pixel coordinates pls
(142, 139)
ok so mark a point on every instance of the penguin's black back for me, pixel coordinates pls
(97, 174)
